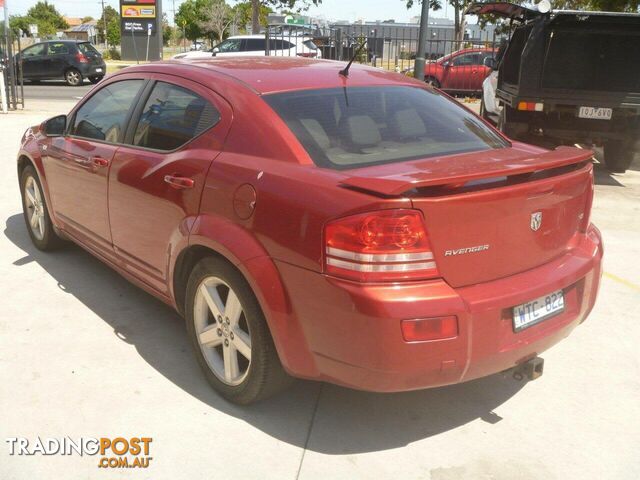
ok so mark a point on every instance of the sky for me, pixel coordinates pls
(331, 9)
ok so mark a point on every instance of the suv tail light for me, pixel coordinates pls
(81, 58)
(383, 246)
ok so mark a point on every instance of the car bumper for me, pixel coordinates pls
(94, 70)
(353, 330)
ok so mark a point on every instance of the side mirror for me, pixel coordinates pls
(491, 63)
(446, 64)
(55, 127)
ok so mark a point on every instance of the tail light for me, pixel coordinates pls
(80, 57)
(383, 246)
(531, 106)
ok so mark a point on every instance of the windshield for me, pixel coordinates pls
(358, 126)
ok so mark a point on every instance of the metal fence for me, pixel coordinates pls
(11, 74)
(457, 66)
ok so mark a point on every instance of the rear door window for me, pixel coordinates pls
(104, 116)
(254, 45)
(172, 116)
(358, 126)
(58, 48)
(467, 59)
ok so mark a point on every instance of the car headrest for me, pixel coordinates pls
(406, 124)
(316, 131)
(360, 131)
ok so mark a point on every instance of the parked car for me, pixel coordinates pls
(569, 77)
(70, 60)
(461, 71)
(356, 227)
(251, 45)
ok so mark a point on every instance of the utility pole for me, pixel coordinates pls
(418, 71)
(104, 21)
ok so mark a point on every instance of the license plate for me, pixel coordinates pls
(98, 70)
(595, 113)
(537, 310)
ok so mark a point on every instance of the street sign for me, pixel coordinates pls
(33, 29)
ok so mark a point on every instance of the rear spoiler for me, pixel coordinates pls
(398, 184)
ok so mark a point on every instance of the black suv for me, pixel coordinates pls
(69, 59)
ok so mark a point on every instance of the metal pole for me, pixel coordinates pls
(104, 21)
(418, 71)
(10, 60)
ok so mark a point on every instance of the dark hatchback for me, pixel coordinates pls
(70, 60)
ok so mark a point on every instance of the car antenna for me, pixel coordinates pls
(345, 71)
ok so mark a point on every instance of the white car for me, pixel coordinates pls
(489, 107)
(252, 45)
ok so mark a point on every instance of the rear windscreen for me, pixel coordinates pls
(86, 47)
(593, 60)
(358, 126)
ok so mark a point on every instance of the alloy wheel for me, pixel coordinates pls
(73, 77)
(222, 331)
(34, 207)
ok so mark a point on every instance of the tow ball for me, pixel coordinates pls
(531, 369)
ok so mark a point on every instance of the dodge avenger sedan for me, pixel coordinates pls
(351, 226)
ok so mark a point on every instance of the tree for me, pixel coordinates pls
(244, 13)
(42, 14)
(190, 15)
(111, 17)
(87, 19)
(167, 30)
(283, 4)
(219, 16)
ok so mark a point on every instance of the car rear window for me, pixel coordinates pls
(358, 126)
(86, 47)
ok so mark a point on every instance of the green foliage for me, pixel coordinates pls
(190, 15)
(111, 54)
(87, 19)
(112, 18)
(167, 30)
(243, 12)
(42, 14)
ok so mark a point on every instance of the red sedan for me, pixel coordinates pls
(354, 227)
(461, 71)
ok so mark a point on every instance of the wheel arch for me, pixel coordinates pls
(212, 236)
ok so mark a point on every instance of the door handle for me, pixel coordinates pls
(99, 161)
(178, 182)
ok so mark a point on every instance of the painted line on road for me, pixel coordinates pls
(627, 283)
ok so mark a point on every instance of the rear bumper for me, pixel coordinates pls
(353, 331)
(91, 70)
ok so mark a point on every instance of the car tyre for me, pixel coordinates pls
(507, 125)
(229, 334)
(73, 77)
(96, 79)
(619, 154)
(36, 213)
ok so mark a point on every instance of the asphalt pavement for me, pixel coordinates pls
(84, 353)
(54, 90)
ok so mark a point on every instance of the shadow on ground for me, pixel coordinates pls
(346, 421)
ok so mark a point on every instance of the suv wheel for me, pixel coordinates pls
(229, 334)
(73, 77)
(36, 215)
(618, 155)
(508, 126)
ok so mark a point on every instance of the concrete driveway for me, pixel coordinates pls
(85, 353)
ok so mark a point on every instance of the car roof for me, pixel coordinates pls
(265, 75)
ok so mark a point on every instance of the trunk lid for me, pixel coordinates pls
(497, 213)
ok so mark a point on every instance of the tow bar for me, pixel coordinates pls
(531, 369)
